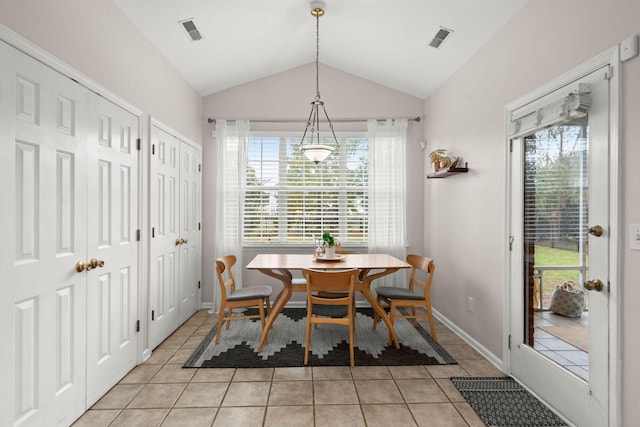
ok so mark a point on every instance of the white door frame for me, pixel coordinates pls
(611, 57)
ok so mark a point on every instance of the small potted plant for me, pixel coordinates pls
(441, 159)
(329, 245)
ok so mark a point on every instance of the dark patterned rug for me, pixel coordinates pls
(329, 344)
(502, 402)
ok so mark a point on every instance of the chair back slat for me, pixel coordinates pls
(421, 264)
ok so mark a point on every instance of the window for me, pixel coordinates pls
(290, 200)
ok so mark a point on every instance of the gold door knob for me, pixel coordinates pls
(185, 241)
(594, 285)
(178, 242)
(596, 230)
(95, 263)
(81, 266)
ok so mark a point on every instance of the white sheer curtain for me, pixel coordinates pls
(231, 141)
(388, 193)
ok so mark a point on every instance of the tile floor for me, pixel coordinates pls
(563, 353)
(161, 393)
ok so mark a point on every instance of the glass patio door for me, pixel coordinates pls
(560, 248)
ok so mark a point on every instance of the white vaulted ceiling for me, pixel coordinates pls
(385, 41)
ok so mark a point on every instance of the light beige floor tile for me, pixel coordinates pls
(192, 342)
(437, 415)
(289, 374)
(181, 356)
(480, 368)
(289, 416)
(212, 375)
(450, 390)
(173, 342)
(378, 391)
(331, 373)
(160, 356)
(469, 415)
(97, 418)
(157, 396)
(118, 397)
(370, 373)
(421, 390)
(203, 330)
(202, 395)
(247, 394)
(334, 392)
(403, 372)
(185, 330)
(173, 374)
(388, 415)
(190, 417)
(240, 417)
(141, 374)
(339, 416)
(291, 393)
(446, 371)
(253, 374)
(140, 418)
(462, 351)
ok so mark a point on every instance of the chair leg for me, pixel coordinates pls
(220, 322)
(392, 318)
(268, 306)
(307, 339)
(352, 327)
(413, 313)
(261, 310)
(431, 325)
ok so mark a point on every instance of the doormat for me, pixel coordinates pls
(329, 344)
(502, 402)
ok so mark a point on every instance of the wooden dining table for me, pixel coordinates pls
(371, 266)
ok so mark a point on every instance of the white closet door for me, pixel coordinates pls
(190, 258)
(43, 222)
(164, 268)
(112, 287)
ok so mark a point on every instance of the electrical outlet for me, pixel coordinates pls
(634, 237)
(470, 304)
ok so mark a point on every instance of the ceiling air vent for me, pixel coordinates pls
(440, 36)
(191, 29)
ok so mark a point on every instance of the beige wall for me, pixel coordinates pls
(466, 115)
(287, 95)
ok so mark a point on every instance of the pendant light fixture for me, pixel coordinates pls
(311, 145)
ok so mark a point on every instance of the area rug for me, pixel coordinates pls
(329, 344)
(577, 336)
(502, 402)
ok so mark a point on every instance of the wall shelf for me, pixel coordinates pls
(443, 173)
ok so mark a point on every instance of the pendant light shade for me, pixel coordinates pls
(315, 148)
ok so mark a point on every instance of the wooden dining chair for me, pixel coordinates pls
(330, 309)
(238, 298)
(417, 295)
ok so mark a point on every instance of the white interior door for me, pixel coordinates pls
(189, 230)
(43, 223)
(112, 287)
(583, 176)
(164, 268)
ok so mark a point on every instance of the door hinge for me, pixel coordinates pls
(511, 145)
(137, 326)
(199, 226)
(153, 315)
(153, 232)
(139, 144)
(198, 284)
(153, 149)
(137, 235)
(511, 239)
(199, 168)
(608, 72)
(509, 343)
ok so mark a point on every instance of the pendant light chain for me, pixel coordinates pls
(317, 56)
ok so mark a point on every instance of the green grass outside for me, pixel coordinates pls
(546, 256)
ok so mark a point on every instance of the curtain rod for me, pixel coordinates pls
(415, 119)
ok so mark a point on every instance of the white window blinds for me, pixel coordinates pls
(533, 117)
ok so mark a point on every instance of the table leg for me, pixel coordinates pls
(278, 304)
(366, 291)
